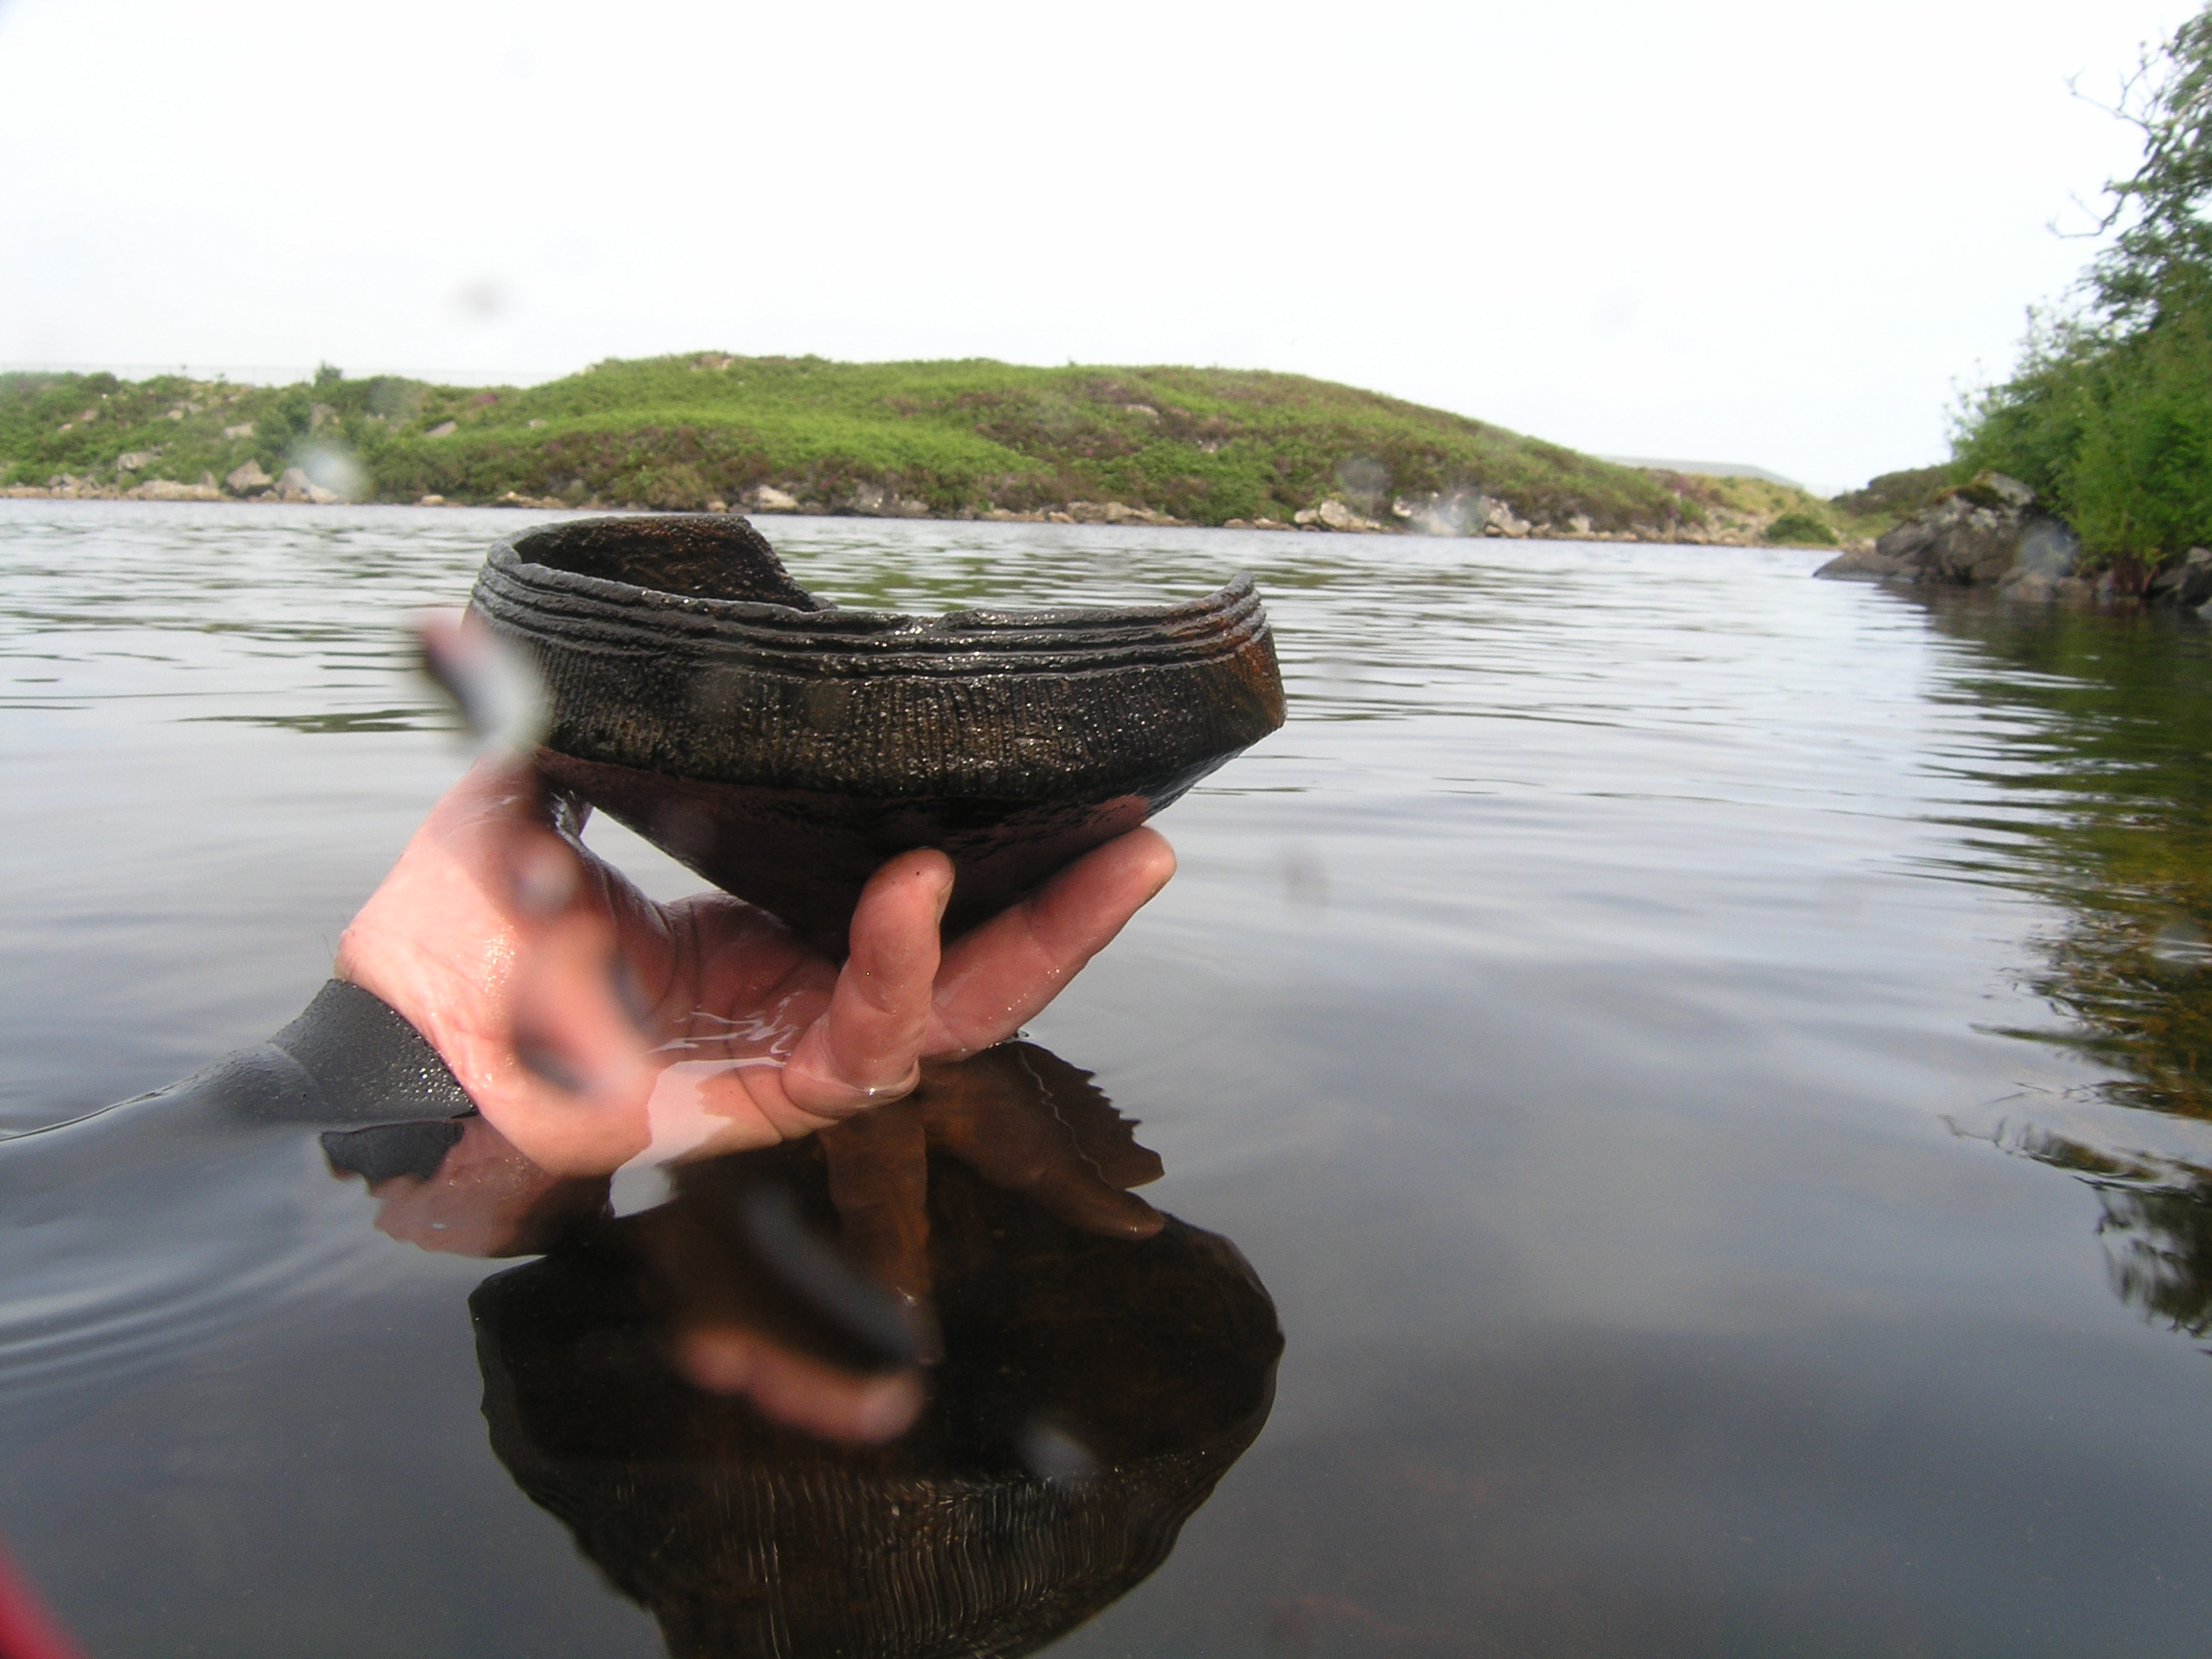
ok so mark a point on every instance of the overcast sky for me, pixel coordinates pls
(1780, 234)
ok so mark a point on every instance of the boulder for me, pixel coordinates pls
(1869, 562)
(2187, 584)
(293, 485)
(135, 460)
(443, 429)
(1978, 535)
(768, 499)
(1332, 514)
(245, 479)
(244, 429)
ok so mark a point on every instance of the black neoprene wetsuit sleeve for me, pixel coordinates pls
(348, 1058)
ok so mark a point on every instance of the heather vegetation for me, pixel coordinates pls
(2108, 414)
(947, 439)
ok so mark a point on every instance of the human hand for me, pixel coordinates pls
(591, 1026)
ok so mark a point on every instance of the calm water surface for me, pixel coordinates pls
(1708, 1066)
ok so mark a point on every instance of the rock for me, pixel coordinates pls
(294, 485)
(1060, 518)
(768, 499)
(1007, 515)
(718, 504)
(2039, 587)
(244, 479)
(1457, 513)
(1337, 516)
(168, 489)
(535, 425)
(1237, 524)
(319, 415)
(135, 460)
(443, 429)
(431, 500)
(2187, 584)
(1979, 534)
(245, 429)
(1868, 563)
(1498, 517)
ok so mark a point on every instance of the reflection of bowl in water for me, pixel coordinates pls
(783, 748)
(1093, 1392)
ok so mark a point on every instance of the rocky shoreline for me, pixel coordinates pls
(1457, 514)
(1989, 533)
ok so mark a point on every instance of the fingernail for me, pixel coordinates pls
(542, 1062)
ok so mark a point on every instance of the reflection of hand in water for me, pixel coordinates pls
(590, 1025)
(481, 1198)
(1020, 1117)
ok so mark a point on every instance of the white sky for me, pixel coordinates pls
(1775, 233)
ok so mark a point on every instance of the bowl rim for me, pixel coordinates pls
(508, 556)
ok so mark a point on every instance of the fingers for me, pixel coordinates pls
(878, 1165)
(792, 1389)
(879, 1181)
(999, 974)
(865, 1049)
(1102, 1134)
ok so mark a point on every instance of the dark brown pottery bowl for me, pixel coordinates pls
(783, 748)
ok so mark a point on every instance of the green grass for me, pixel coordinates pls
(963, 437)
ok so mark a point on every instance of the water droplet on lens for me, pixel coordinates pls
(1051, 1453)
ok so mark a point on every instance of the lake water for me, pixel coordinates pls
(1707, 1064)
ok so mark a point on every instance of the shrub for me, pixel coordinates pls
(1800, 529)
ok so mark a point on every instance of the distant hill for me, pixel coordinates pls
(1706, 469)
(962, 439)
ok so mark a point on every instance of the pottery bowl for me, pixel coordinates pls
(783, 748)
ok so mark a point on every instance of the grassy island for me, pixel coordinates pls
(970, 439)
